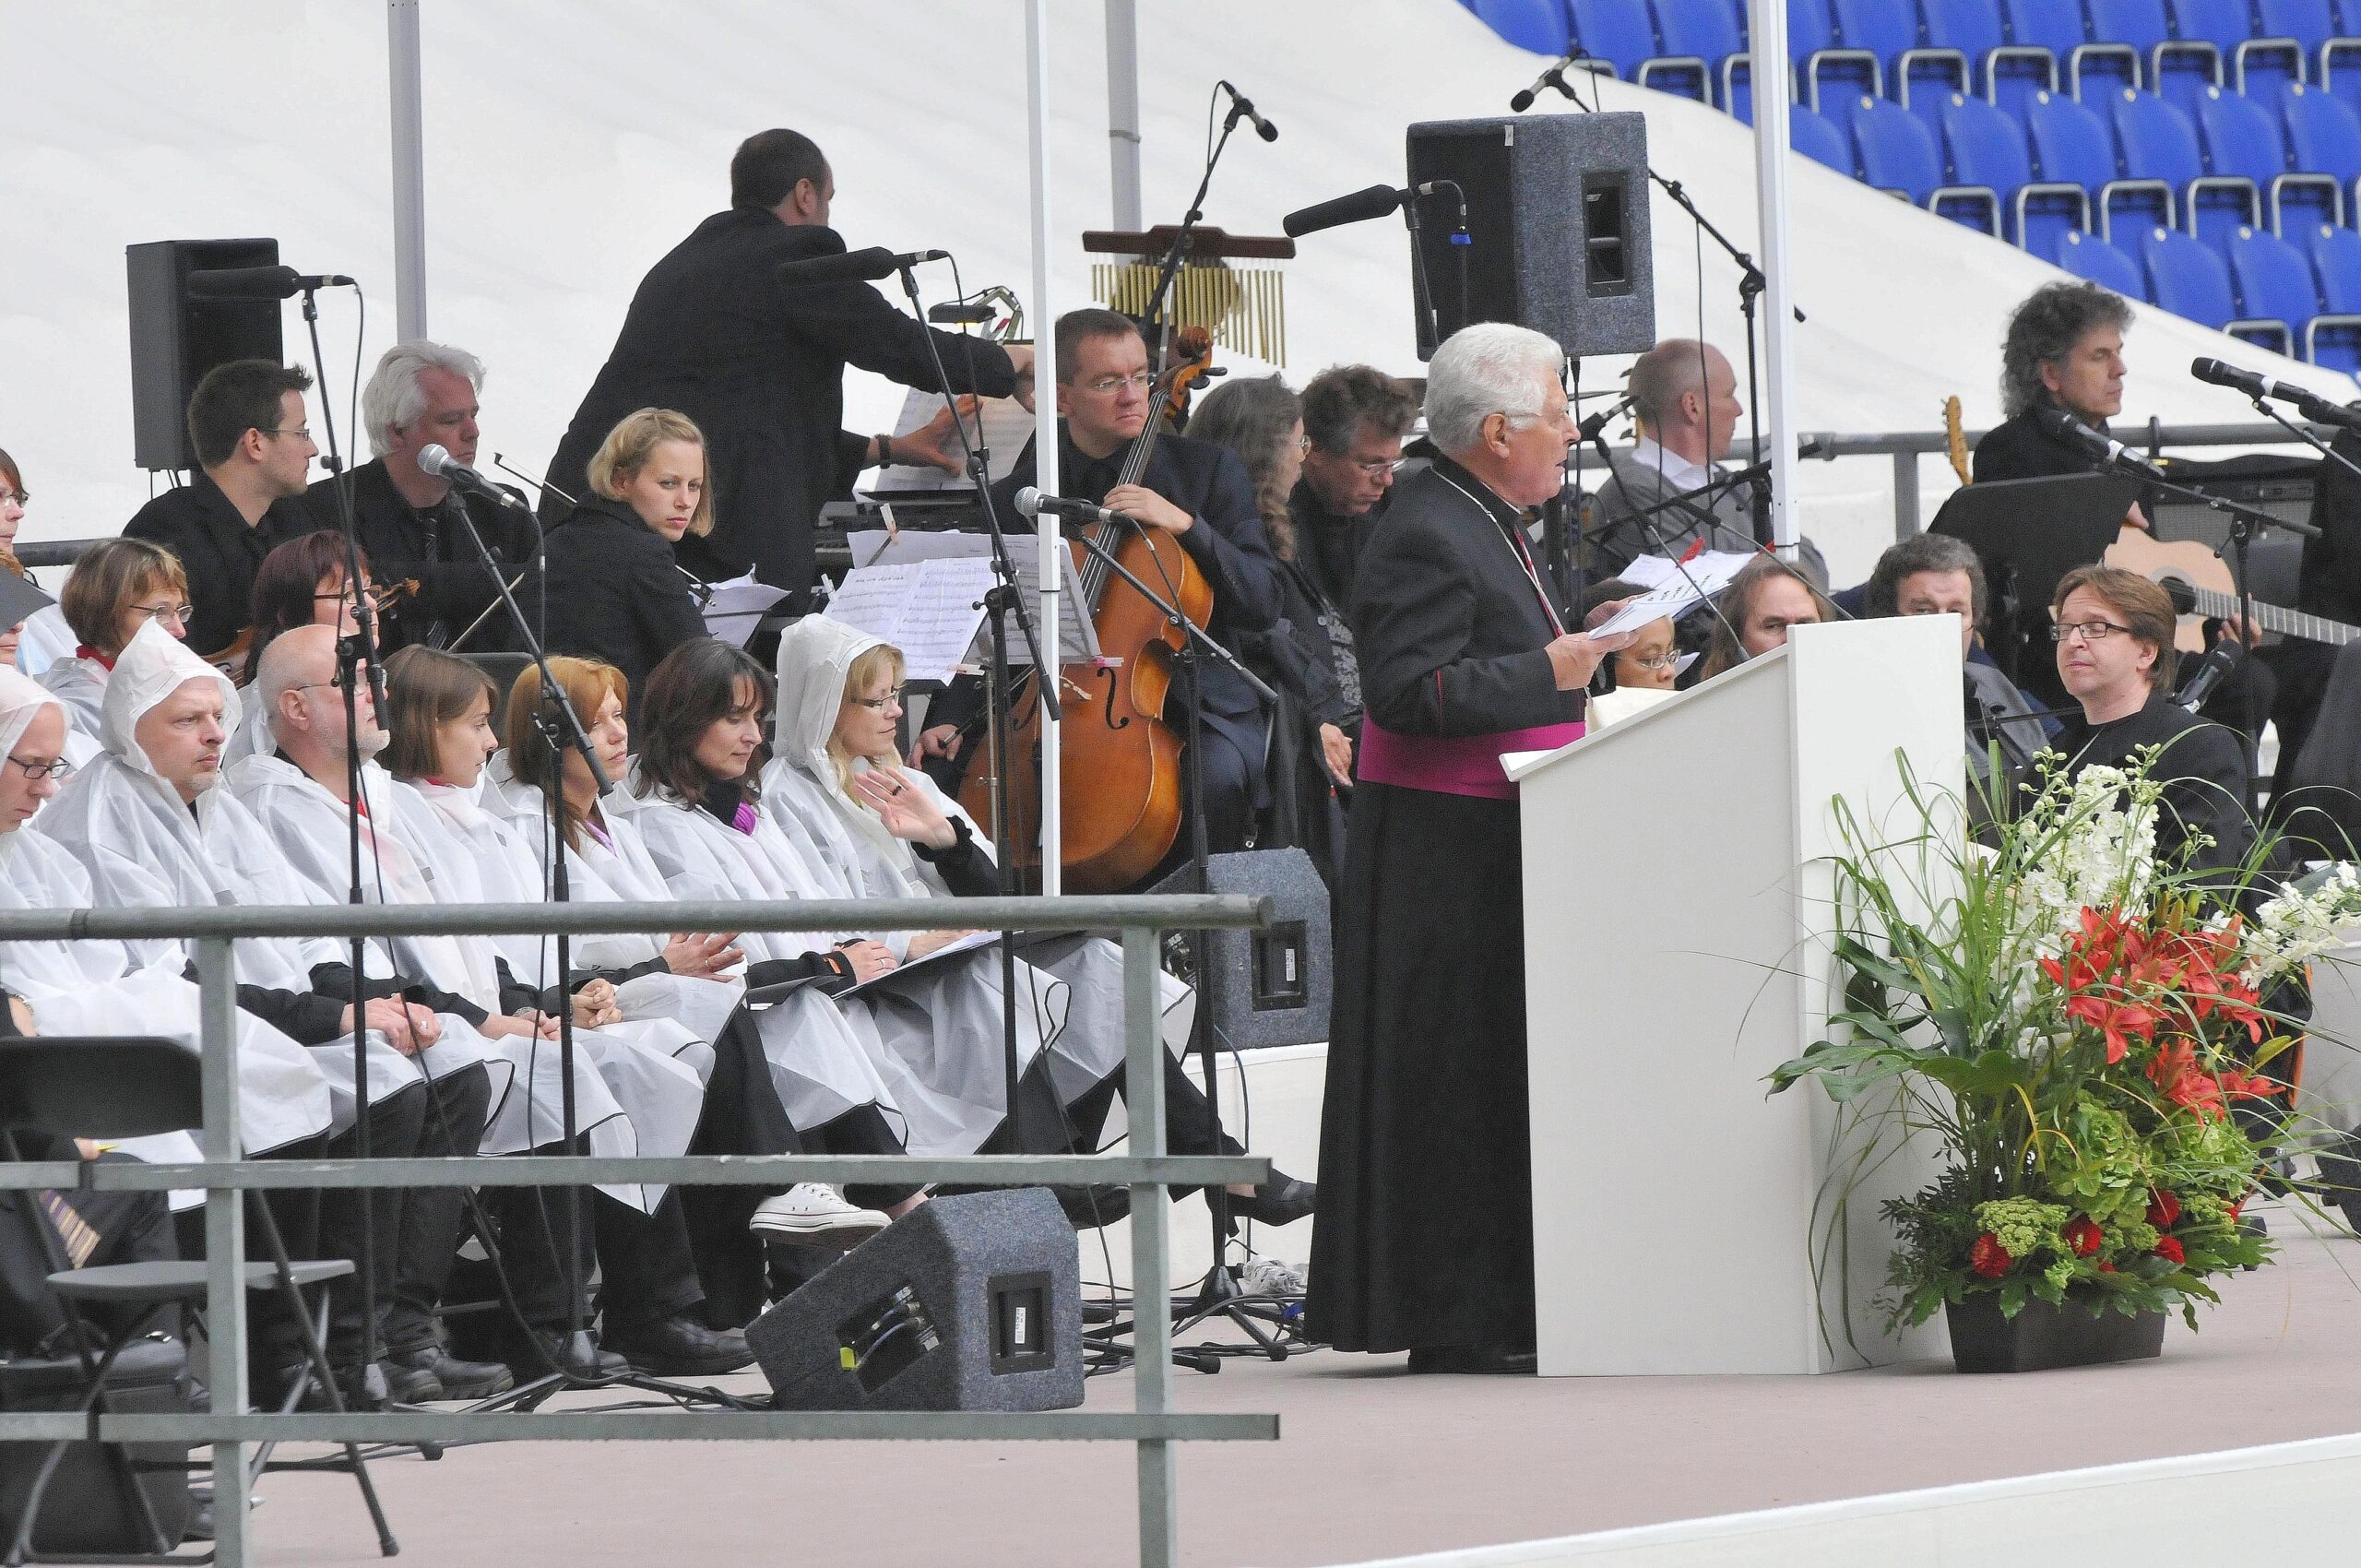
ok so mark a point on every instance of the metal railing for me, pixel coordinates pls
(232, 1429)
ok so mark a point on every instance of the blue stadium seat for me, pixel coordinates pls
(2188, 279)
(1898, 155)
(1920, 78)
(2336, 267)
(2071, 145)
(1707, 30)
(1988, 148)
(2309, 22)
(2004, 73)
(2096, 261)
(2157, 142)
(1824, 68)
(1623, 33)
(1538, 25)
(2274, 283)
(1818, 138)
(2325, 136)
(2242, 137)
(2259, 65)
(2173, 67)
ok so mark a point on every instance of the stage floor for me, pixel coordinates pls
(1372, 1462)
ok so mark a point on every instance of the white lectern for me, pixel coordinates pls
(1676, 915)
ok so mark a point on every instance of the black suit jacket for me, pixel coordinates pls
(432, 547)
(217, 550)
(760, 368)
(617, 593)
(2018, 448)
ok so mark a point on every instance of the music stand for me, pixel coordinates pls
(2029, 533)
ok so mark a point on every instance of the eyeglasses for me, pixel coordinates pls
(60, 770)
(177, 614)
(1108, 386)
(334, 682)
(879, 705)
(1664, 661)
(2089, 631)
(1302, 445)
(303, 431)
(17, 496)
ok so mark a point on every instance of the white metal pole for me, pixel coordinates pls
(1773, 84)
(1044, 317)
(1123, 109)
(409, 168)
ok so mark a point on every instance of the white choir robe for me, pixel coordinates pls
(309, 825)
(79, 684)
(45, 640)
(654, 1065)
(855, 856)
(935, 1037)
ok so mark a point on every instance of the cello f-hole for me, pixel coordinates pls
(1107, 708)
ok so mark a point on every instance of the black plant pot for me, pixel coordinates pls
(2044, 1335)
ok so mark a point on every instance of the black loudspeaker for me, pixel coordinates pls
(175, 340)
(1275, 985)
(966, 1303)
(1558, 225)
(86, 1508)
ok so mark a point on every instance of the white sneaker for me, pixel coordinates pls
(813, 1214)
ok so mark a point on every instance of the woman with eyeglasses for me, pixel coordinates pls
(301, 583)
(117, 587)
(1308, 654)
(2114, 631)
(617, 590)
(1631, 680)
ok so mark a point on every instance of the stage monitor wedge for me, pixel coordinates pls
(1557, 228)
(175, 340)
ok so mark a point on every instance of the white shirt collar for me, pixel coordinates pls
(1677, 472)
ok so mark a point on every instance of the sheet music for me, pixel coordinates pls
(1001, 425)
(736, 608)
(1078, 638)
(971, 942)
(930, 610)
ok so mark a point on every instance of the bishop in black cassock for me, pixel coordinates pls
(1425, 1235)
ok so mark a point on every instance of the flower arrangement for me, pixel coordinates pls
(2086, 1028)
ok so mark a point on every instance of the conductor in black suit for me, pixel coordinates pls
(760, 367)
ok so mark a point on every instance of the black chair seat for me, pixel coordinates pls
(149, 1282)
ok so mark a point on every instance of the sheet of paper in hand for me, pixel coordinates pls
(1711, 569)
(959, 947)
(1668, 603)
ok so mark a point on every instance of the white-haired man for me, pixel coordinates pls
(1425, 1238)
(409, 521)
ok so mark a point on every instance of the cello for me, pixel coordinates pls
(1120, 766)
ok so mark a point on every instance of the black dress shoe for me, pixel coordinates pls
(1099, 1204)
(458, 1379)
(540, 1351)
(680, 1346)
(1472, 1359)
(409, 1383)
(1282, 1200)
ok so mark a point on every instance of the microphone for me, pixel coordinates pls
(1243, 105)
(2311, 404)
(259, 283)
(1031, 503)
(1554, 77)
(2110, 452)
(868, 266)
(435, 459)
(2218, 665)
(1375, 201)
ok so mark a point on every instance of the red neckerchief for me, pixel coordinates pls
(84, 650)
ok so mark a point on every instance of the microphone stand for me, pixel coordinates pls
(1220, 1294)
(1003, 598)
(1179, 249)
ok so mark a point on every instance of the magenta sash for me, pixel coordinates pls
(1453, 765)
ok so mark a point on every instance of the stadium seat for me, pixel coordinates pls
(2171, 67)
(1920, 78)
(2157, 142)
(2093, 259)
(1707, 30)
(2325, 136)
(2191, 280)
(2336, 267)
(1987, 148)
(2004, 73)
(2241, 138)
(1818, 138)
(1822, 68)
(2311, 23)
(2274, 283)
(2071, 145)
(1538, 25)
(1623, 33)
(2258, 65)
(1897, 155)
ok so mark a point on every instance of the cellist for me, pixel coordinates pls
(1195, 490)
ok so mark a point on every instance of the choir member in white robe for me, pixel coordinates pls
(116, 586)
(875, 830)
(938, 1031)
(649, 1298)
(148, 824)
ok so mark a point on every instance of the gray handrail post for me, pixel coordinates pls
(1906, 495)
(1151, 1293)
(225, 1250)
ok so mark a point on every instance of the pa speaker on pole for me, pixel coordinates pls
(1557, 228)
(175, 339)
